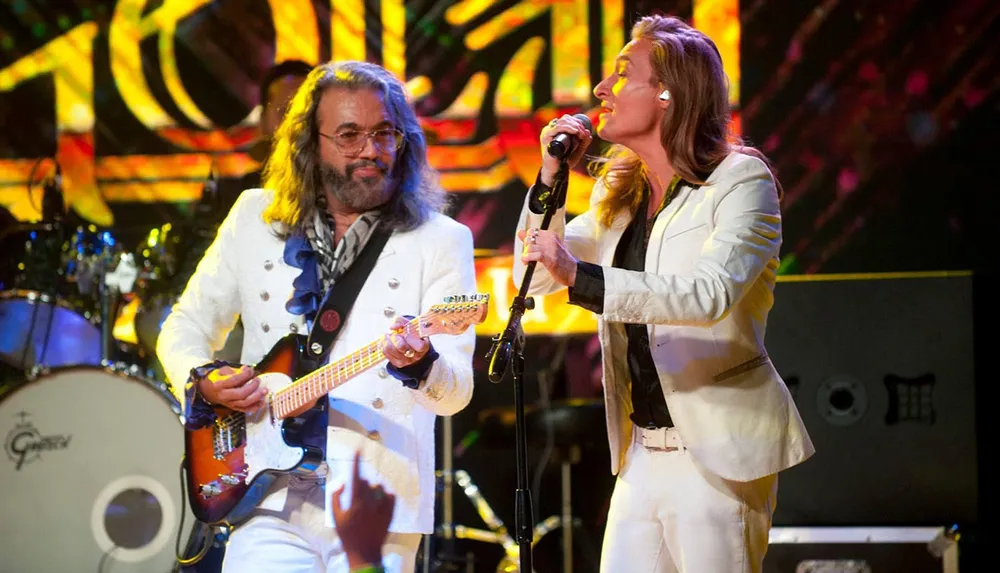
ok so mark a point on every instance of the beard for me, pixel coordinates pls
(359, 195)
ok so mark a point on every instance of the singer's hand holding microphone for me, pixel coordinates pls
(569, 133)
(568, 136)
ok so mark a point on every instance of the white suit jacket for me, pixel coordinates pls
(243, 273)
(707, 288)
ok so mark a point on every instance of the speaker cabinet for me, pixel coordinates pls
(882, 373)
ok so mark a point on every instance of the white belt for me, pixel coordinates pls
(658, 438)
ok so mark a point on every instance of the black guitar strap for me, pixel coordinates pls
(340, 298)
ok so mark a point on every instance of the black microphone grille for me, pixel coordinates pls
(585, 121)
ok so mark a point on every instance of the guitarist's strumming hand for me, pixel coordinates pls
(403, 346)
(237, 390)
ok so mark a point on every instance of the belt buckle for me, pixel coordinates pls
(654, 438)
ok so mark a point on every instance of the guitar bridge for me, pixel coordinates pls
(228, 434)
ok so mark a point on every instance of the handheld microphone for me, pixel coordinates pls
(562, 145)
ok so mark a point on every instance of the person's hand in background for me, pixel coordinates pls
(364, 525)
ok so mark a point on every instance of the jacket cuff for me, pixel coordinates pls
(198, 413)
(411, 376)
(588, 290)
(539, 191)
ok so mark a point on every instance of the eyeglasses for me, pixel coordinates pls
(351, 142)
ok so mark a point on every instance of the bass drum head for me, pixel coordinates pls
(90, 474)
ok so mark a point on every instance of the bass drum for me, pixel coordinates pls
(91, 474)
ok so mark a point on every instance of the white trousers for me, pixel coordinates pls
(668, 514)
(297, 540)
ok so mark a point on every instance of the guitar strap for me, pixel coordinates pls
(334, 309)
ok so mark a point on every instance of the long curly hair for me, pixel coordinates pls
(292, 171)
(695, 127)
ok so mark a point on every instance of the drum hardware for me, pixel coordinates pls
(42, 254)
(497, 532)
(565, 427)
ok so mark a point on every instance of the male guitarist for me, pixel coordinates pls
(348, 164)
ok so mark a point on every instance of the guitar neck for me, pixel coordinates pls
(322, 381)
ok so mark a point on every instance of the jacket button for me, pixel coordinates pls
(265, 327)
(382, 372)
(374, 436)
(293, 328)
(393, 283)
(268, 265)
(389, 312)
(377, 403)
(264, 295)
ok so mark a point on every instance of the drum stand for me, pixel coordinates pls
(497, 532)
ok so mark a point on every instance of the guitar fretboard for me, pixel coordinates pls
(320, 382)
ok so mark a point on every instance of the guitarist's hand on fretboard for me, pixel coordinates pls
(238, 390)
(403, 346)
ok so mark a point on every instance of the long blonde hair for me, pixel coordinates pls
(695, 130)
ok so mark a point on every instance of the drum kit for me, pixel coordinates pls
(93, 435)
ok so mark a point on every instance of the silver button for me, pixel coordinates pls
(382, 372)
(377, 403)
(265, 327)
(375, 436)
(268, 265)
(389, 312)
(264, 295)
(393, 283)
(293, 328)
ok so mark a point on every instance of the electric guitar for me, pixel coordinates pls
(232, 463)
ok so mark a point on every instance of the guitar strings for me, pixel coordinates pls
(295, 395)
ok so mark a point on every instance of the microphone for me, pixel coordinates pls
(53, 202)
(562, 145)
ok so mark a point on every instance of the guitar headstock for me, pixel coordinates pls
(455, 315)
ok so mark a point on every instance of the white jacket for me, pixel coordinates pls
(243, 273)
(705, 294)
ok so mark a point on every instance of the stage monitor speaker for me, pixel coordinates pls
(882, 372)
(861, 550)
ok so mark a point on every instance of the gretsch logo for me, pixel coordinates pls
(25, 443)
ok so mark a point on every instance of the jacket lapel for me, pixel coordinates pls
(610, 238)
(661, 224)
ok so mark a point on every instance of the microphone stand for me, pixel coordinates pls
(508, 347)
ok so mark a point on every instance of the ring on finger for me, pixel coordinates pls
(409, 353)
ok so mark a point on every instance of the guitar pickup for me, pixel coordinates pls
(232, 479)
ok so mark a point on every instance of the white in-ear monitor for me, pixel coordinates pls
(665, 95)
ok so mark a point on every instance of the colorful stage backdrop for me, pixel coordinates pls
(875, 114)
